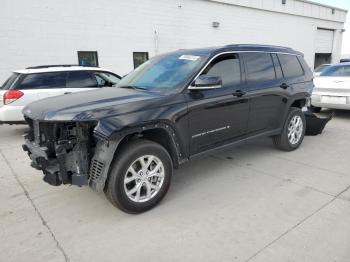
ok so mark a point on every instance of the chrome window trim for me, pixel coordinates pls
(203, 87)
(190, 87)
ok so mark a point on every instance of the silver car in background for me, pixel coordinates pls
(332, 88)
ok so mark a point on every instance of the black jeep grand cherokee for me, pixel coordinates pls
(126, 140)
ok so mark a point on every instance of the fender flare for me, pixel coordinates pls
(107, 147)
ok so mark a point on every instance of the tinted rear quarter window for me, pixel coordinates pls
(42, 81)
(81, 79)
(259, 67)
(291, 66)
(9, 82)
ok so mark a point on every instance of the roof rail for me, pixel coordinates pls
(48, 66)
(256, 45)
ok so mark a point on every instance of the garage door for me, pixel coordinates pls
(324, 41)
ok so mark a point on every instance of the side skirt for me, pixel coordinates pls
(237, 142)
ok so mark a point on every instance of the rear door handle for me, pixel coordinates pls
(239, 93)
(284, 86)
(67, 93)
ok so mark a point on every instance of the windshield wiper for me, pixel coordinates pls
(134, 87)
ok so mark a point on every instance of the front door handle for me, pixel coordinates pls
(239, 93)
(284, 86)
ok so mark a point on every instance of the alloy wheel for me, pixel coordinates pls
(144, 178)
(295, 129)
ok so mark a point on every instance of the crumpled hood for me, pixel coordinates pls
(90, 105)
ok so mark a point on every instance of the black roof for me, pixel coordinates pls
(241, 47)
(48, 66)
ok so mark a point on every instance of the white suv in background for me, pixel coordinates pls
(34, 83)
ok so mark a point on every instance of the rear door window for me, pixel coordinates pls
(42, 81)
(9, 82)
(291, 66)
(81, 79)
(259, 67)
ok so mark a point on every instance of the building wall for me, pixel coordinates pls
(35, 32)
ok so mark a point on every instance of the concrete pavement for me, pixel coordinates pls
(248, 203)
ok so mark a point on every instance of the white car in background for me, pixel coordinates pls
(332, 88)
(34, 83)
(318, 70)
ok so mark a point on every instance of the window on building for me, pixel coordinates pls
(227, 67)
(291, 66)
(88, 58)
(81, 79)
(44, 80)
(139, 58)
(259, 67)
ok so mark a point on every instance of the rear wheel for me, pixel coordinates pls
(140, 176)
(293, 131)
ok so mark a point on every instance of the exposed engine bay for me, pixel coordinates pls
(69, 153)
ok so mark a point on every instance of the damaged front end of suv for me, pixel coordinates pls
(68, 152)
(73, 139)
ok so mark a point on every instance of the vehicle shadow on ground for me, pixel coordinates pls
(342, 114)
(220, 165)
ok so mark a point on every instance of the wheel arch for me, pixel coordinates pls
(108, 147)
(299, 102)
(161, 133)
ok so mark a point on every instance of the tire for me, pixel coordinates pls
(315, 109)
(127, 175)
(290, 143)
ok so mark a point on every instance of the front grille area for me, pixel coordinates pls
(96, 169)
(62, 150)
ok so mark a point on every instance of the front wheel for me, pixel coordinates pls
(140, 176)
(293, 131)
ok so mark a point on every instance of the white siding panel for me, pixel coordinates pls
(324, 41)
(47, 32)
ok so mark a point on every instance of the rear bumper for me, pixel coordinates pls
(11, 114)
(316, 100)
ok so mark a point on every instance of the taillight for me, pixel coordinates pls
(11, 96)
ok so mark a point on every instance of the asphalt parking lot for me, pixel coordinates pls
(247, 203)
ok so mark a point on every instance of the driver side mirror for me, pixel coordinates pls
(206, 82)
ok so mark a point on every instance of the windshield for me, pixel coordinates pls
(321, 68)
(8, 83)
(336, 71)
(163, 73)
